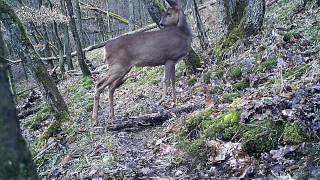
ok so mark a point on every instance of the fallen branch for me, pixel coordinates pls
(108, 13)
(154, 118)
(28, 112)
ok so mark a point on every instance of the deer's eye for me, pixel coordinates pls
(168, 14)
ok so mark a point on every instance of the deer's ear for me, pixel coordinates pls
(172, 3)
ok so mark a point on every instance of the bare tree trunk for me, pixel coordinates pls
(66, 37)
(202, 33)
(84, 68)
(131, 15)
(60, 48)
(77, 13)
(249, 12)
(25, 50)
(15, 160)
(155, 9)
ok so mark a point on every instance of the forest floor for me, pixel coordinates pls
(261, 118)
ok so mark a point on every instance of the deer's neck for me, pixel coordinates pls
(183, 25)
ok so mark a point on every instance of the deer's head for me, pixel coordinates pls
(171, 16)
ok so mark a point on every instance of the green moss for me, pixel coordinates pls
(89, 105)
(264, 66)
(159, 5)
(197, 148)
(235, 73)
(55, 126)
(149, 75)
(235, 102)
(229, 97)
(232, 118)
(262, 136)
(213, 73)
(296, 72)
(192, 81)
(225, 126)
(241, 85)
(290, 36)
(293, 134)
(193, 125)
(39, 117)
(236, 33)
(195, 58)
(217, 89)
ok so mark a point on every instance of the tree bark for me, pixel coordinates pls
(202, 33)
(84, 68)
(250, 11)
(77, 13)
(131, 15)
(155, 9)
(66, 37)
(15, 160)
(25, 50)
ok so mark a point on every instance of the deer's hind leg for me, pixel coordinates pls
(118, 82)
(100, 87)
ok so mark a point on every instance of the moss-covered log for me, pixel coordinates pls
(25, 50)
(15, 159)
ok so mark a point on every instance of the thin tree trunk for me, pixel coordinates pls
(131, 15)
(202, 34)
(77, 12)
(66, 37)
(15, 160)
(81, 59)
(26, 52)
(60, 48)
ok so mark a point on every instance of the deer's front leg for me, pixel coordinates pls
(169, 68)
(173, 83)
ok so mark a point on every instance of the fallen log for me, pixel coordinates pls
(153, 118)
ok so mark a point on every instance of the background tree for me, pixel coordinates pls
(22, 46)
(15, 160)
(248, 14)
(81, 58)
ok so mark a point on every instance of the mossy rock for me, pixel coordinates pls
(264, 66)
(293, 134)
(229, 97)
(261, 136)
(235, 73)
(239, 86)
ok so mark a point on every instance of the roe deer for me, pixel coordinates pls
(162, 47)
